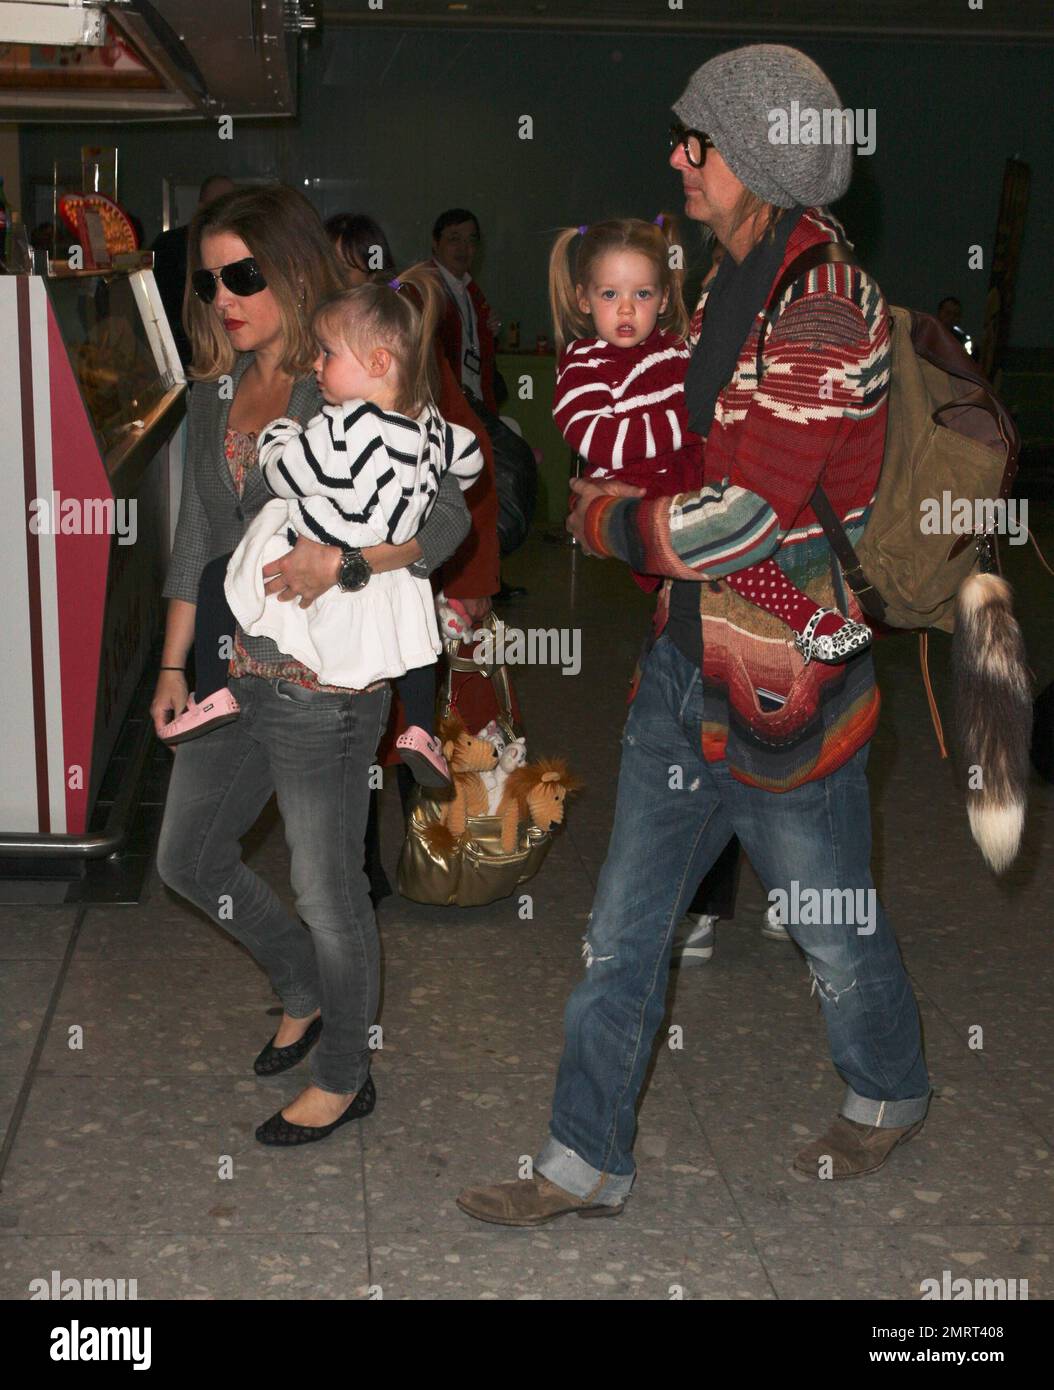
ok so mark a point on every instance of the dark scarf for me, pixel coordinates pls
(738, 293)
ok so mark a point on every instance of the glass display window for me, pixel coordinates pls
(121, 352)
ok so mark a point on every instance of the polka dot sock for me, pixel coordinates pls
(767, 587)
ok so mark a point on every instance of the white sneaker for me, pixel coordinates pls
(772, 929)
(693, 941)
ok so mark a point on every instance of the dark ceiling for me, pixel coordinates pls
(1000, 20)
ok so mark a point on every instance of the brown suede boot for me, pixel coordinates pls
(852, 1148)
(528, 1202)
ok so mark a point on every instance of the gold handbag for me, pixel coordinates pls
(475, 870)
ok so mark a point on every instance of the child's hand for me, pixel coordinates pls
(604, 487)
(476, 608)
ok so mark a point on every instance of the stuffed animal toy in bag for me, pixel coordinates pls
(454, 621)
(510, 757)
(534, 793)
(494, 733)
(468, 755)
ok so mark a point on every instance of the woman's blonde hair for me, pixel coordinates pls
(749, 207)
(401, 315)
(650, 239)
(286, 237)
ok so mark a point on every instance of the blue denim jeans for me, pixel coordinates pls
(313, 750)
(667, 833)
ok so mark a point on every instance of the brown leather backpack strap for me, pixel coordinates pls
(935, 714)
(871, 601)
(823, 253)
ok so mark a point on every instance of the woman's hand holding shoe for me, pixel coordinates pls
(170, 698)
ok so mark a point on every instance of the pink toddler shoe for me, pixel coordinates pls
(196, 719)
(423, 755)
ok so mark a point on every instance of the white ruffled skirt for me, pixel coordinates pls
(350, 640)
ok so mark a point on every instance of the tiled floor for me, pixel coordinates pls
(114, 1148)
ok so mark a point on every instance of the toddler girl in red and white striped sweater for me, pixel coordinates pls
(620, 402)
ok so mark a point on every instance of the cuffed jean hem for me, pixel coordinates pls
(568, 1170)
(884, 1114)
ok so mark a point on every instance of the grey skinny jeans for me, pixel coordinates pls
(313, 750)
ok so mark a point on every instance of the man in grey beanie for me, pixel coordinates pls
(771, 747)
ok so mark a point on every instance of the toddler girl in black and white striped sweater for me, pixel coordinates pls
(365, 471)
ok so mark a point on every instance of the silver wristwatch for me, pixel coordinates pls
(354, 572)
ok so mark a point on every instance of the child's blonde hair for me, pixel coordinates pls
(401, 315)
(654, 240)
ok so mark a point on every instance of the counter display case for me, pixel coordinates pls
(90, 469)
(120, 379)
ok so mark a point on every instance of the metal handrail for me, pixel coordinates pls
(28, 845)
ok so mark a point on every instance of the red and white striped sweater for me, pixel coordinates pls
(623, 410)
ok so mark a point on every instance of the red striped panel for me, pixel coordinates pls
(29, 478)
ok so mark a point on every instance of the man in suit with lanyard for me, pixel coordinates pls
(467, 331)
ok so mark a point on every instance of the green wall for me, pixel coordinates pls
(405, 123)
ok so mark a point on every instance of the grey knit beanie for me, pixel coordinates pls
(730, 98)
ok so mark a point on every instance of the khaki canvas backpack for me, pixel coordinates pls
(947, 435)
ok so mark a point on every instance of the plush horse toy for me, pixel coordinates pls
(537, 793)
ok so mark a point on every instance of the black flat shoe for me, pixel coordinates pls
(273, 1059)
(284, 1134)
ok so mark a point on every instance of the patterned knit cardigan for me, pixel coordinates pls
(818, 413)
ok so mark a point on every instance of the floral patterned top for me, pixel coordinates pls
(239, 449)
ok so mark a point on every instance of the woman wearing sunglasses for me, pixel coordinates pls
(260, 263)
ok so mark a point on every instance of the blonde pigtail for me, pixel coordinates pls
(569, 322)
(422, 377)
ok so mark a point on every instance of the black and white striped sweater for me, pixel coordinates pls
(359, 475)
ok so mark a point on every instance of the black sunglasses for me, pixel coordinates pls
(242, 278)
(695, 144)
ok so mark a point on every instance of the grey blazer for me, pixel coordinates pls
(212, 519)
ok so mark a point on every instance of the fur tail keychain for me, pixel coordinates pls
(993, 715)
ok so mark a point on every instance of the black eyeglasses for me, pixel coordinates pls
(242, 278)
(694, 143)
